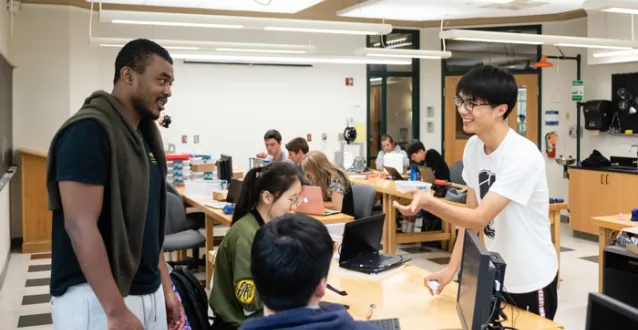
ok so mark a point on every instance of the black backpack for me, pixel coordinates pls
(193, 298)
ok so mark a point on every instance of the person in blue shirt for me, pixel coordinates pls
(290, 261)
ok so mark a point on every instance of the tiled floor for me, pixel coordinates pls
(24, 298)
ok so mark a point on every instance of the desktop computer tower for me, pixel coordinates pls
(620, 275)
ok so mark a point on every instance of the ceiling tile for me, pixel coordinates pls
(272, 6)
(420, 10)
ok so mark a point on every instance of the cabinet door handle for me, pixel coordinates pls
(601, 179)
(607, 178)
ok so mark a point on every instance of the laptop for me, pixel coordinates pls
(234, 190)
(312, 202)
(394, 173)
(427, 174)
(361, 244)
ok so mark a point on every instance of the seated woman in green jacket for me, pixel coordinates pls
(267, 192)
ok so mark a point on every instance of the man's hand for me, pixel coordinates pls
(420, 199)
(124, 320)
(261, 155)
(444, 278)
(174, 312)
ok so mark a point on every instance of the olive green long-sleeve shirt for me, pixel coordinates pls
(233, 297)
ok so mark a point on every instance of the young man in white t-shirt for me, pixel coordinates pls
(507, 198)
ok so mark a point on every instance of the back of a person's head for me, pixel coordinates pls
(414, 147)
(290, 257)
(489, 84)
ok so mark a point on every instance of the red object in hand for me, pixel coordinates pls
(440, 182)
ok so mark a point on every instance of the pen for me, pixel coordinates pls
(332, 288)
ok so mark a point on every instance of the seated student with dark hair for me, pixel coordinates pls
(267, 192)
(272, 140)
(431, 158)
(297, 150)
(290, 261)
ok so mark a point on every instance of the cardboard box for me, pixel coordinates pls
(202, 168)
(238, 174)
(220, 195)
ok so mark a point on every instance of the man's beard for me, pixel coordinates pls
(141, 108)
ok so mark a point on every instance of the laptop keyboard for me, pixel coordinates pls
(386, 324)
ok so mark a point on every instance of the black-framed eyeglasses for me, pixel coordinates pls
(468, 105)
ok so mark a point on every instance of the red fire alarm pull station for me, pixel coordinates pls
(349, 81)
(309, 138)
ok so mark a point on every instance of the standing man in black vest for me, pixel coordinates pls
(106, 175)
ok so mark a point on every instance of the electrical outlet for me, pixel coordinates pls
(184, 139)
(196, 139)
(324, 136)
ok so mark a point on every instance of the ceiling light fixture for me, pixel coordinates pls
(536, 39)
(404, 53)
(213, 45)
(301, 59)
(237, 22)
(612, 6)
(616, 53)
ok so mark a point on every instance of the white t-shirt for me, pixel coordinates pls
(521, 232)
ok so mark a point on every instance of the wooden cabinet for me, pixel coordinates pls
(599, 193)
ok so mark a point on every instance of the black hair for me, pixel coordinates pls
(387, 137)
(289, 258)
(275, 178)
(136, 55)
(414, 147)
(273, 134)
(490, 84)
(298, 144)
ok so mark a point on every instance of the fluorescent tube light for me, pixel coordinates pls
(616, 53)
(281, 51)
(612, 6)
(495, 1)
(536, 39)
(404, 53)
(212, 45)
(235, 22)
(301, 59)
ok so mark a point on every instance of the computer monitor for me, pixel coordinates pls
(234, 190)
(604, 312)
(225, 168)
(476, 284)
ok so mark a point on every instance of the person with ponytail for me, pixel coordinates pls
(267, 192)
(335, 185)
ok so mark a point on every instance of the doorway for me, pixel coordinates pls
(393, 97)
(523, 119)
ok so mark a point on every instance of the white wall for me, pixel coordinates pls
(431, 91)
(230, 107)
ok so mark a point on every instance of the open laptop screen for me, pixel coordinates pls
(362, 237)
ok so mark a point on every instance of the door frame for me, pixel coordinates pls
(539, 53)
(384, 74)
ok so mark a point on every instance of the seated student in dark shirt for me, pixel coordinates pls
(428, 158)
(334, 183)
(433, 159)
(290, 261)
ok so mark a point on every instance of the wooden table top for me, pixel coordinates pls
(401, 294)
(226, 219)
(614, 222)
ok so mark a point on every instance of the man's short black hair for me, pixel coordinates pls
(297, 145)
(136, 55)
(273, 134)
(492, 85)
(289, 258)
(414, 147)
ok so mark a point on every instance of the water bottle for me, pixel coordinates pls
(414, 173)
